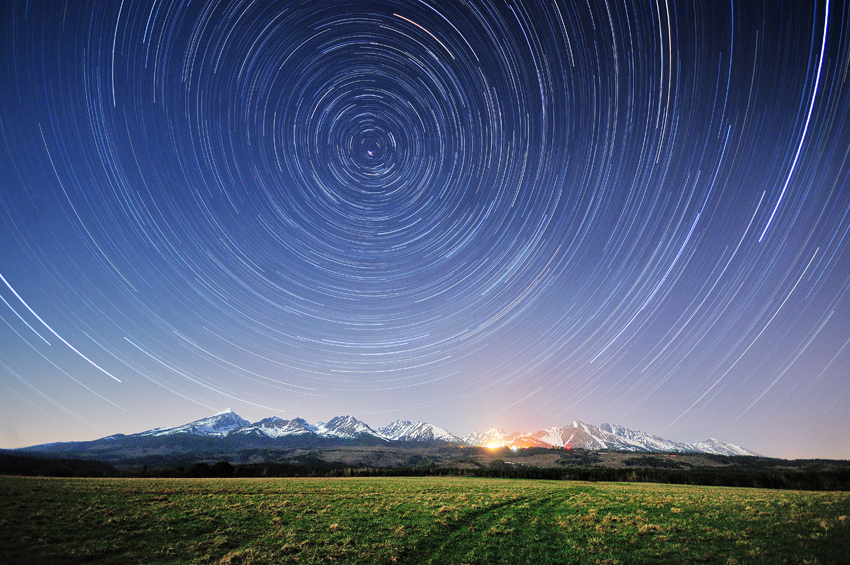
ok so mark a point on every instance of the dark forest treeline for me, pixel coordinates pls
(34, 466)
(751, 476)
(795, 480)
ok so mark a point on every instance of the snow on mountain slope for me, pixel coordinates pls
(554, 436)
(643, 440)
(275, 427)
(345, 427)
(718, 447)
(575, 435)
(492, 437)
(217, 425)
(607, 436)
(405, 430)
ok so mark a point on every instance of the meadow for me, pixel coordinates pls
(413, 520)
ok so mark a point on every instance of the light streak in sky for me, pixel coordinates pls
(51, 330)
(456, 211)
(806, 126)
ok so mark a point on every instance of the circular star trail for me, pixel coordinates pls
(473, 213)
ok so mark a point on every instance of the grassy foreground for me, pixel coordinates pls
(413, 520)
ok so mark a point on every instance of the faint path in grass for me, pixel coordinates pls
(421, 521)
(446, 534)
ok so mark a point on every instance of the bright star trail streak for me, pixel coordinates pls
(471, 213)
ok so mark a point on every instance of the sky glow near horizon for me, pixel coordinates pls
(470, 213)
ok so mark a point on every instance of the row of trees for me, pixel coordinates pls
(808, 478)
(796, 480)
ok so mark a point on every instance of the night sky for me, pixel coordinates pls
(473, 213)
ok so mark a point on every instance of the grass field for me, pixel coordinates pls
(413, 520)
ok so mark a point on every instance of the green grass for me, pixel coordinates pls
(413, 520)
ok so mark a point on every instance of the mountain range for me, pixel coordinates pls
(232, 430)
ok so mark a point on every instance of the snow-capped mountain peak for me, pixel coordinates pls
(643, 440)
(718, 447)
(494, 437)
(607, 436)
(405, 430)
(275, 427)
(345, 427)
(217, 425)
(575, 435)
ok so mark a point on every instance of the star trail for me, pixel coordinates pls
(473, 213)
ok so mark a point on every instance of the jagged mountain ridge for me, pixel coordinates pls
(405, 430)
(276, 427)
(607, 436)
(217, 425)
(345, 427)
(229, 425)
